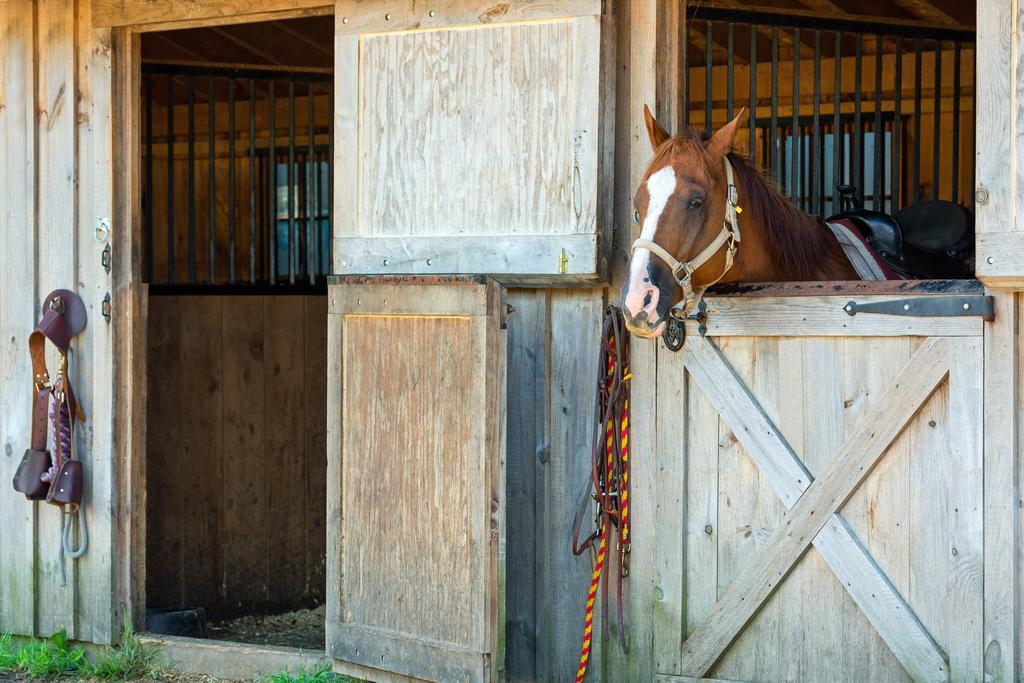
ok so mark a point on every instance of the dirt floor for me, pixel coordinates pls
(302, 628)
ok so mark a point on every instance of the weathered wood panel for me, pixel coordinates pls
(1000, 245)
(414, 575)
(56, 147)
(236, 498)
(19, 309)
(456, 137)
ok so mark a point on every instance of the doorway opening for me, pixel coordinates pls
(236, 212)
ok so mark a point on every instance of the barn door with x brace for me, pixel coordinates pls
(416, 386)
(834, 517)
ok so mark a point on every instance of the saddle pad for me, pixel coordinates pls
(862, 257)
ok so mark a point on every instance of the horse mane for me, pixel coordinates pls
(799, 243)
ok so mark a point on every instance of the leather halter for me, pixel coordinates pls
(729, 237)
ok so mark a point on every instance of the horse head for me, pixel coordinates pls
(686, 207)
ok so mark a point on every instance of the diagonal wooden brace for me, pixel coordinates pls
(812, 515)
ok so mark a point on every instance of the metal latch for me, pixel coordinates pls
(675, 331)
(928, 307)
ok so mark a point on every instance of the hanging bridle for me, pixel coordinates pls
(682, 271)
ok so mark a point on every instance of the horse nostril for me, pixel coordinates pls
(647, 299)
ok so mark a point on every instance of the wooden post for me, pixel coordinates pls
(129, 323)
(1000, 236)
(1002, 494)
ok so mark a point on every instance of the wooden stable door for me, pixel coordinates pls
(416, 477)
(466, 138)
(833, 490)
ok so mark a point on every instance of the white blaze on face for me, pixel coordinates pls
(660, 186)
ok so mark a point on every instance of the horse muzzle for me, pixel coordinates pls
(641, 326)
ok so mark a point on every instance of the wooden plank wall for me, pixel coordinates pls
(552, 365)
(236, 452)
(55, 168)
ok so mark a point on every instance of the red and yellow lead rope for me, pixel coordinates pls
(588, 622)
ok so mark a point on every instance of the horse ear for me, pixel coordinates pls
(721, 141)
(655, 131)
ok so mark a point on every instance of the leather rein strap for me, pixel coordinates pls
(609, 482)
(728, 237)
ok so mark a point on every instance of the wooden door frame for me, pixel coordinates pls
(129, 19)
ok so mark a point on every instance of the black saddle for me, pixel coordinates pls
(927, 240)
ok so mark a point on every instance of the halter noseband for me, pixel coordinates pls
(729, 237)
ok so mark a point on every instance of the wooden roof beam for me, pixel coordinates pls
(227, 35)
(926, 11)
(736, 5)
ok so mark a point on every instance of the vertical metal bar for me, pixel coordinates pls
(272, 184)
(686, 78)
(292, 230)
(817, 203)
(729, 73)
(937, 120)
(878, 174)
(252, 181)
(191, 181)
(707, 76)
(149, 178)
(857, 148)
(170, 179)
(795, 144)
(752, 63)
(211, 135)
(916, 171)
(837, 129)
(955, 173)
(973, 128)
(311, 183)
(231, 181)
(772, 139)
(897, 131)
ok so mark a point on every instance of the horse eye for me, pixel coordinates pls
(696, 204)
(636, 216)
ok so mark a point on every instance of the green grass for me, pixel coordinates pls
(130, 660)
(56, 657)
(321, 673)
(42, 658)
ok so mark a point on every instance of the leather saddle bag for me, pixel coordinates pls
(66, 488)
(28, 478)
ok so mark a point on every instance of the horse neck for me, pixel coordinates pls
(769, 225)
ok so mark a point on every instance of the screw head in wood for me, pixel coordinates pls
(387, 17)
(981, 194)
(432, 13)
(967, 307)
(906, 307)
(344, 20)
(990, 260)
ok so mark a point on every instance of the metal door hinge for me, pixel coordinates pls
(928, 307)
(105, 307)
(105, 258)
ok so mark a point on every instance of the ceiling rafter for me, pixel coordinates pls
(927, 11)
(303, 38)
(844, 14)
(245, 45)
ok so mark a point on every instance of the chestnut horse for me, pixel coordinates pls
(708, 215)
